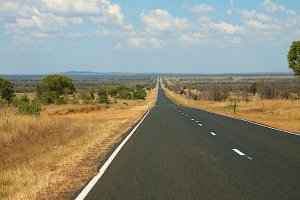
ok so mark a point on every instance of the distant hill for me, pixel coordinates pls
(87, 73)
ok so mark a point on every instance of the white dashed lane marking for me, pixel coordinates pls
(241, 153)
(212, 133)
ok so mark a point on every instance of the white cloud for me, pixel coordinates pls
(140, 43)
(226, 27)
(254, 15)
(162, 20)
(270, 6)
(76, 20)
(73, 6)
(202, 9)
(43, 22)
(193, 39)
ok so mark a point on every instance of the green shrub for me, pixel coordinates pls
(103, 99)
(87, 101)
(2, 102)
(61, 101)
(74, 101)
(29, 108)
(47, 98)
(139, 94)
(20, 99)
(124, 94)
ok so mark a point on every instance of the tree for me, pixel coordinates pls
(56, 84)
(253, 88)
(139, 94)
(102, 92)
(6, 90)
(294, 58)
(112, 91)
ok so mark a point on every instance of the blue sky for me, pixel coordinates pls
(216, 36)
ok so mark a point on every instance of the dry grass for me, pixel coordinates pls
(53, 155)
(282, 114)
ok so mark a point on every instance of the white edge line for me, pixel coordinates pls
(238, 152)
(251, 122)
(91, 184)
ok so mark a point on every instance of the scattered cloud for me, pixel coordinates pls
(29, 20)
(270, 6)
(161, 20)
(141, 43)
(202, 9)
(226, 27)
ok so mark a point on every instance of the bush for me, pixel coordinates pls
(6, 90)
(74, 101)
(112, 91)
(47, 98)
(102, 92)
(20, 99)
(2, 102)
(139, 94)
(124, 94)
(103, 99)
(29, 108)
(61, 101)
(87, 101)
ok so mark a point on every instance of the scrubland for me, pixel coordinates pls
(52, 155)
(279, 113)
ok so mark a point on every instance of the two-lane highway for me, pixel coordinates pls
(183, 153)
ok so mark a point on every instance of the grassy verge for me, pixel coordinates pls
(53, 155)
(282, 114)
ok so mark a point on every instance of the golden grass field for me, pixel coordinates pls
(52, 155)
(278, 113)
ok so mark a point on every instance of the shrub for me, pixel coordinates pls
(74, 101)
(29, 108)
(103, 99)
(61, 101)
(47, 98)
(6, 90)
(20, 99)
(124, 94)
(139, 94)
(87, 101)
(102, 92)
(112, 91)
(2, 102)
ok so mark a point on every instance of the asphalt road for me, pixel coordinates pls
(183, 153)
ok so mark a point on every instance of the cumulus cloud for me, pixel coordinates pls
(202, 9)
(226, 27)
(162, 20)
(140, 43)
(73, 6)
(270, 6)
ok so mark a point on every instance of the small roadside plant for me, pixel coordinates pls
(29, 108)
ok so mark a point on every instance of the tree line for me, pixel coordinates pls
(58, 89)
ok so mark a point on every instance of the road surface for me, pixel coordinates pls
(183, 153)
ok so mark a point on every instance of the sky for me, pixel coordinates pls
(173, 36)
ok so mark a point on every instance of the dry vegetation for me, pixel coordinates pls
(52, 155)
(279, 113)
